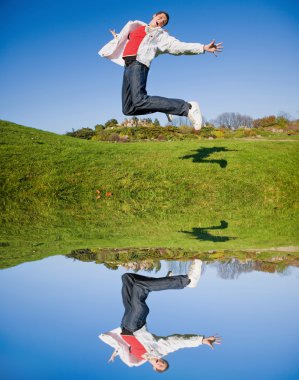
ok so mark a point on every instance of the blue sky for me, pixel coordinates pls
(52, 78)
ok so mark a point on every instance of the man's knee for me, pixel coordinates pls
(128, 112)
(136, 105)
(126, 277)
(128, 109)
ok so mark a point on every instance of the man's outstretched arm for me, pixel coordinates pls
(175, 342)
(171, 45)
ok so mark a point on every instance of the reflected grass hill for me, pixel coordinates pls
(232, 263)
(59, 194)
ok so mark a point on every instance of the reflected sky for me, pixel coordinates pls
(53, 310)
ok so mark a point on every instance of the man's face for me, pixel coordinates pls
(159, 364)
(158, 21)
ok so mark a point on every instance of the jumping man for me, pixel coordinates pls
(135, 47)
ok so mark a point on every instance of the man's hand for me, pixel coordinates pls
(213, 48)
(210, 340)
(113, 32)
(112, 357)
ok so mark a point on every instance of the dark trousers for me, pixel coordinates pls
(135, 290)
(135, 100)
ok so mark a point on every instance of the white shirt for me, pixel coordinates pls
(156, 346)
(157, 41)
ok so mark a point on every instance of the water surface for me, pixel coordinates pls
(53, 310)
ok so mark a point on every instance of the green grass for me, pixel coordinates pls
(164, 194)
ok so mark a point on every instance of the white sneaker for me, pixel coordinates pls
(194, 115)
(194, 273)
(169, 117)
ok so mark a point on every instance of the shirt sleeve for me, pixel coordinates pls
(175, 342)
(171, 45)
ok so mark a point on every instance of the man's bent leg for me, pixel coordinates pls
(136, 74)
(135, 316)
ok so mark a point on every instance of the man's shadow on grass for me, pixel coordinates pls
(202, 153)
(204, 234)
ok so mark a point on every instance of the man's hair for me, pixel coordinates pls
(165, 13)
(165, 369)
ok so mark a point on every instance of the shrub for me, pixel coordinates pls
(99, 127)
(219, 133)
(186, 130)
(114, 137)
(207, 132)
(83, 133)
(282, 122)
(267, 121)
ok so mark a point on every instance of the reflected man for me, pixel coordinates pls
(132, 342)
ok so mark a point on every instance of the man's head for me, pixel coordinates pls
(160, 19)
(159, 365)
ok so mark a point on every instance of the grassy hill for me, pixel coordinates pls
(197, 195)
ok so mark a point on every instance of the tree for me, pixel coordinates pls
(233, 120)
(179, 121)
(148, 120)
(111, 123)
(135, 121)
(99, 127)
(156, 123)
(283, 119)
(285, 115)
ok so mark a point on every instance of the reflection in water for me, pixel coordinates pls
(233, 268)
(230, 264)
(132, 342)
(51, 310)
